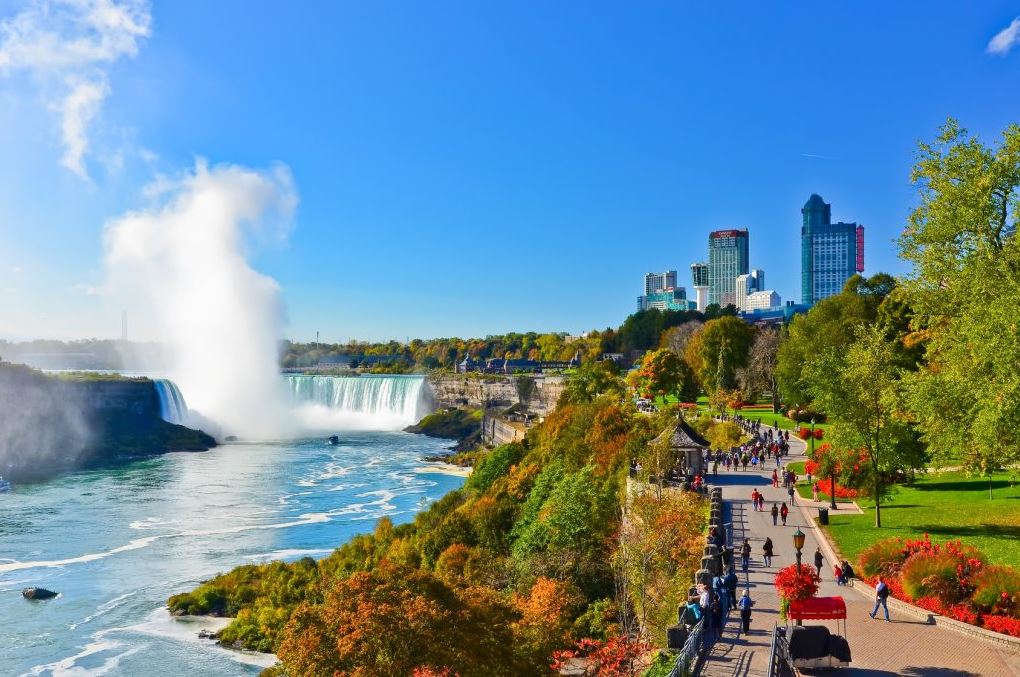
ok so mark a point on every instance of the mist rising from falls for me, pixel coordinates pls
(181, 270)
(360, 403)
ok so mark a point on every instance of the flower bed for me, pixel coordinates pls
(951, 579)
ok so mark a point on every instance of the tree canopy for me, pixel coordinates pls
(964, 294)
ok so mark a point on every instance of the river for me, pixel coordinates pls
(116, 542)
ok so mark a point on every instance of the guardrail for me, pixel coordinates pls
(687, 661)
(779, 654)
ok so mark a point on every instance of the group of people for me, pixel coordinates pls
(713, 603)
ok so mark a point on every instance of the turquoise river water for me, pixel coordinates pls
(116, 542)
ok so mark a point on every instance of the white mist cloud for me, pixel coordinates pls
(68, 47)
(1006, 39)
(182, 262)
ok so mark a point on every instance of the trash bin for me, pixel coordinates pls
(823, 515)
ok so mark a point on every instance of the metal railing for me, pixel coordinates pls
(779, 654)
(687, 660)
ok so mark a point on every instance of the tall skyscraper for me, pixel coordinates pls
(830, 253)
(656, 282)
(727, 258)
(699, 275)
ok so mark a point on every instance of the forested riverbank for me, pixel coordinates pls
(492, 579)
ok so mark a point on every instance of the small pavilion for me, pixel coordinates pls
(688, 446)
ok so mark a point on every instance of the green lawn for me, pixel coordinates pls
(947, 506)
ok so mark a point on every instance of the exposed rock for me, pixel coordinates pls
(38, 593)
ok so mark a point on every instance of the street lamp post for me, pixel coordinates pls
(798, 544)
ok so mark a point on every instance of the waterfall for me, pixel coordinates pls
(366, 402)
(172, 407)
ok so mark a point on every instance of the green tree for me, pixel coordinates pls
(590, 381)
(830, 324)
(859, 389)
(718, 351)
(964, 292)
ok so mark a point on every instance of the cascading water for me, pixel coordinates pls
(172, 407)
(362, 402)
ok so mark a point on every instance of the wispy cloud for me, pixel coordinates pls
(69, 46)
(816, 157)
(1006, 39)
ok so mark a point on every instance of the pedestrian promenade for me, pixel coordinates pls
(905, 646)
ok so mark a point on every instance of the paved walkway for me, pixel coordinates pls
(906, 646)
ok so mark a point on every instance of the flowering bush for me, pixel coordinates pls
(803, 433)
(612, 658)
(951, 579)
(819, 433)
(1004, 624)
(793, 586)
(997, 590)
(942, 571)
(811, 467)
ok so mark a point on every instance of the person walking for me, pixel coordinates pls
(745, 605)
(766, 550)
(881, 598)
(783, 512)
(775, 515)
(754, 499)
(775, 479)
(745, 556)
(814, 491)
(791, 491)
(819, 561)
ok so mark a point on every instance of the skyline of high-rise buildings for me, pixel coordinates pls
(831, 253)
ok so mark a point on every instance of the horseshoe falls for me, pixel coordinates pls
(359, 402)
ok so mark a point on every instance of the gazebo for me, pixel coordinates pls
(688, 445)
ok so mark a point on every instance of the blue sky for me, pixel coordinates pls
(474, 168)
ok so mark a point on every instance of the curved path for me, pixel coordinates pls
(905, 646)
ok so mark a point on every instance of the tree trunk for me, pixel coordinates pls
(878, 500)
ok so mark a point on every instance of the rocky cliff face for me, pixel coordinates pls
(49, 424)
(538, 393)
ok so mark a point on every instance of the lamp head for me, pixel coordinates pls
(798, 539)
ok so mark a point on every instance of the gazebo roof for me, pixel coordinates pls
(683, 436)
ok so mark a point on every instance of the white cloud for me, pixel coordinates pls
(68, 46)
(1006, 39)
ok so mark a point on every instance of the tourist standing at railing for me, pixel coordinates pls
(731, 586)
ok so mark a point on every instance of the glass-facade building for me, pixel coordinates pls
(669, 299)
(727, 258)
(830, 252)
(656, 282)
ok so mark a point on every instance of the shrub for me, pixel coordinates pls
(997, 590)
(883, 558)
(941, 572)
